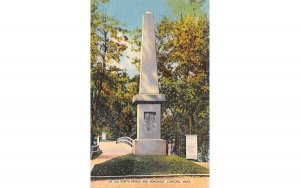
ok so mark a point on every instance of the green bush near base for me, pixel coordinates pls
(147, 165)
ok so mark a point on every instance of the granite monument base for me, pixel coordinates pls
(149, 147)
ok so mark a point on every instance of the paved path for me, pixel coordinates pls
(204, 164)
(110, 150)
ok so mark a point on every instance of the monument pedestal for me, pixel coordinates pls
(149, 147)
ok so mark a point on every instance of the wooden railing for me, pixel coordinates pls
(126, 140)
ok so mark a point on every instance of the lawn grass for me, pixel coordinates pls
(147, 165)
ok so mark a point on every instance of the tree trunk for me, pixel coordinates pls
(191, 123)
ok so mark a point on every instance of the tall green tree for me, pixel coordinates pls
(183, 57)
(107, 48)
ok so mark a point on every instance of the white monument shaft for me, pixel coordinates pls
(148, 100)
(148, 72)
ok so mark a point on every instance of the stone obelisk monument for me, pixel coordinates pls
(148, 100)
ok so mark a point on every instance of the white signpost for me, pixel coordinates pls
(191, 147)
(103, 135)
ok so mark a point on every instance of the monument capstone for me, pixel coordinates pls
(149, 99)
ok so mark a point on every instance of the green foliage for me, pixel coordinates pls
(110, 85)
(183, 59)
(183, 8)
(136, 36)
(147, 165)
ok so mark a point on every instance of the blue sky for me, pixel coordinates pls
(130, 12)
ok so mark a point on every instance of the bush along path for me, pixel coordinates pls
(147, 165)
